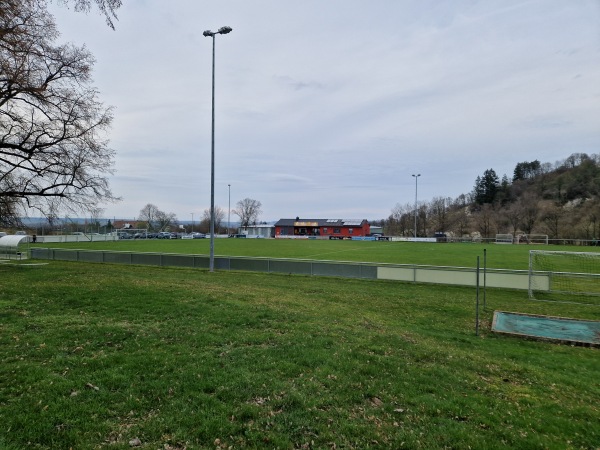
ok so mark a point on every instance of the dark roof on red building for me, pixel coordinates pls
(298, 222)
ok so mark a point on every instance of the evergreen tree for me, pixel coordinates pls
(486, 187)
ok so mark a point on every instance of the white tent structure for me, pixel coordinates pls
(14, 247)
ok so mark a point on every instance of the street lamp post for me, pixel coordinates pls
(208, 33)
(416, 211)
(229, 211)
(192, 222)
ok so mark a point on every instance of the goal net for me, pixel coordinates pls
(558, 275)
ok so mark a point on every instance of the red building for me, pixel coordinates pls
(321, 228)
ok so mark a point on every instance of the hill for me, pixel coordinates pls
(560, 200)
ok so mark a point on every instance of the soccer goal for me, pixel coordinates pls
(538, 239)
(561, 275)
(504, 239)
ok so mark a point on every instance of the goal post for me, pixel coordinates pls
(538, 239)
(532, 239)
(562, 274)
(504, 238)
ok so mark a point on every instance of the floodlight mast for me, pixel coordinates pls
(212, 34)
(222, 30)
(416, 185)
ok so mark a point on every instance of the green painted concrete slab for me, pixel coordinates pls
(558, 329)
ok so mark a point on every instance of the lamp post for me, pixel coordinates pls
(416, 211)
(208, 33)
(229, 211)
(192, 222)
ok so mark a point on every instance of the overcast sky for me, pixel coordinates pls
(324, 109)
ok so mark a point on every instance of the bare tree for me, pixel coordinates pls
(52, 125)
(485, 219)
(591, 222)
(438, 210)
(399, 222)
(423, 219)
(460, 215)
(107, 7)
(552, 216)
(166, 221)
(529, 206)
(462, 219)
(95, 216)
(248, 210)
(9, 213)
(219, 217)
(52, 213)
(150, 214)
(513, 215)
(156, 219)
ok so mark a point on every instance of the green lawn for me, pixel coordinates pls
(97, 355)
(456, 254)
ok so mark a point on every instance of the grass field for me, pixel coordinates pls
(455, 254)
(97, 356)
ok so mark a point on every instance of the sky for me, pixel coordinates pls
(325, 109)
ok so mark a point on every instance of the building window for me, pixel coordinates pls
(325, 230)
(350, 230)
(336, 230)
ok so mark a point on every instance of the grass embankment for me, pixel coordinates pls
(100, 355)
(435, 254)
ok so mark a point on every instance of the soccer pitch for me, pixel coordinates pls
(437, 254)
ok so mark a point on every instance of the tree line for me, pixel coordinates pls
(154, 219)
(561, 200)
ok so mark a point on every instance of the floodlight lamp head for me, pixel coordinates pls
(208, 33)
(225, 30)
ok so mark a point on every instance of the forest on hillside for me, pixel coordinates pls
(560, 200)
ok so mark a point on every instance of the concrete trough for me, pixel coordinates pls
(548, 328)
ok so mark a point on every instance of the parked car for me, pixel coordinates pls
(197, 235)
